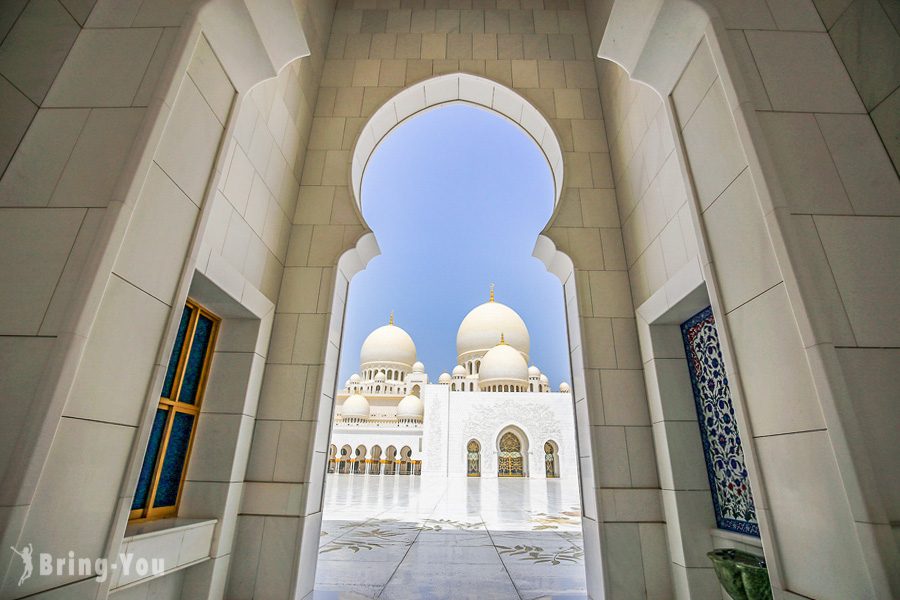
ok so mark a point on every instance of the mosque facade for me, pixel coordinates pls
(493, 415)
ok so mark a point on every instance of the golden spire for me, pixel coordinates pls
(502, 341)
(391, 321)
(492, 293)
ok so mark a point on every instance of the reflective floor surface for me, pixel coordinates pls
(418, 537)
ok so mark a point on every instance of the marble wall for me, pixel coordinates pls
(865, 35)
(117, 167)
(768, 119)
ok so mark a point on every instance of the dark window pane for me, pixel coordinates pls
(173, 464)
(150, 458)
(194, 367)
(176, 353)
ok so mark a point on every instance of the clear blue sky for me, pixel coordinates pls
(456, 197)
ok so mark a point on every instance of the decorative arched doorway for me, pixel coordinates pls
(551, 459)
(510, 458)
(473, 459)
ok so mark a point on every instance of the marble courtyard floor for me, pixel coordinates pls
(416, 537)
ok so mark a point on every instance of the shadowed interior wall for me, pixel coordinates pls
(782, 277)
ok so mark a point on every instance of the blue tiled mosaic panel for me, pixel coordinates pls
(176, 353)
(194, 368)
(150, 458)
(728, 480)
(174, 463)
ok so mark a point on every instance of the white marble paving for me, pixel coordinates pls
(420, 537)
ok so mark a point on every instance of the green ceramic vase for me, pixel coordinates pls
(744, 576)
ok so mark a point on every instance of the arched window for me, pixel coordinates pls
(344, 460)
(510, 462)
(471, 386)
(469, 367)
(473, 459)
(359, 460)
(390, 466)
(477, 366)
(332, 459)
(375, 462)
(551, 459)
(405, 460)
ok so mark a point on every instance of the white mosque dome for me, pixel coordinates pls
(564, 387)
(444, 378)
(355, 378)
(379, 376)
(482, 327)
(503, 362)
(388, 344)
(544, 379)
(355, 406)
(533, 371)
(418, 367)
(411, 407)
(459, 371)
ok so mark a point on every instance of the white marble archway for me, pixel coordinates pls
(455, 88)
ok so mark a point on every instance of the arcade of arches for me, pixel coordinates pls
(726, 232)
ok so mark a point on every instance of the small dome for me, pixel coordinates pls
(481, 328)
(355, 406)
(354, 378)
(444, 378)
(411, 407)
(544, 379)
(418, 367)
(533, 371)
(388, 344)
(505, 363)
(379, 376)
(564, 387)
(459, 371)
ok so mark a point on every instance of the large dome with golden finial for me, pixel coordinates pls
(482, 327)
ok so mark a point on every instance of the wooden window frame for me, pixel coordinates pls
(173, 407)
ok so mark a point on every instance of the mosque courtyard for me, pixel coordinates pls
(397, 537)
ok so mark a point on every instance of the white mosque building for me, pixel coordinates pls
(492, 416)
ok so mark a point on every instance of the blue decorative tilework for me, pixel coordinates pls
(728, 479)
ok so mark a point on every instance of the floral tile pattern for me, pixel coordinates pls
(728, 479)
(544, 521)
(536, 554)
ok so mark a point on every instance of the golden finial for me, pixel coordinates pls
(391, 321)
(492, 293)
(502, 341)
